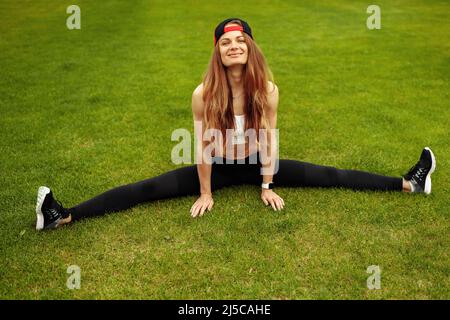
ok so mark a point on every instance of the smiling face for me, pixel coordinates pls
(233, 49)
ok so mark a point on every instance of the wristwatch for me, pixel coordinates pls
(267, 185)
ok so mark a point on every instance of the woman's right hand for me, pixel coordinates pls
(204, 202)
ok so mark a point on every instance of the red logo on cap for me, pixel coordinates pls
(233, 28)
(229, 28)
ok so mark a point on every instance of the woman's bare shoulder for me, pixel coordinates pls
(271, 87)
(197, 101)
(198, 92)
(272, 96)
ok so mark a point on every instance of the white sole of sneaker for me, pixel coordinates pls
(428, 178)
(42, 192)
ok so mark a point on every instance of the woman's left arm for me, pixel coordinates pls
(267, 195)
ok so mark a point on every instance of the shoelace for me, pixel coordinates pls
(64, 211)
(59, 211)
(417, 172)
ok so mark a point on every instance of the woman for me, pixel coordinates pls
(238, 93)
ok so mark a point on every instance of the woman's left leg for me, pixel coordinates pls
(303, 174)
(294, 173)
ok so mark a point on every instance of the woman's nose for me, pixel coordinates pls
(234, 45)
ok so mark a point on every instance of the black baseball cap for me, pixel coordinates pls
(220, 29)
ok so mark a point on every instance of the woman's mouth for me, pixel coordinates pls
(234, 55)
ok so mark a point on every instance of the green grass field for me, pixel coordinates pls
(86, 110)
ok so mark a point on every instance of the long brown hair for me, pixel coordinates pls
(217, 95)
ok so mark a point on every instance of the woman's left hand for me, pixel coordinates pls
(270, 197)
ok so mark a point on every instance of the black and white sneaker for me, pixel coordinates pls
(419, 175)
(49, 211)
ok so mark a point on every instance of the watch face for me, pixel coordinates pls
(267, 185)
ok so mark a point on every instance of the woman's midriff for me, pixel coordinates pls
(247, 151)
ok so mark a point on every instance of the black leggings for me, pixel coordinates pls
(184, 181)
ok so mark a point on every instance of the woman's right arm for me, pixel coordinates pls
(205, 201)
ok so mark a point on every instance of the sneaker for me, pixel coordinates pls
(419, 175)
(49, 211)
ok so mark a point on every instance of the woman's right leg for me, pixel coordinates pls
(179, 182)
